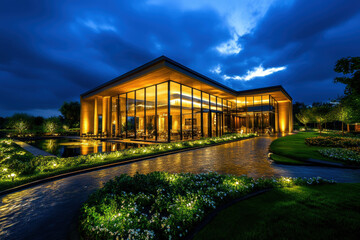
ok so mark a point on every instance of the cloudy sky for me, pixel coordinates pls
(52, 51)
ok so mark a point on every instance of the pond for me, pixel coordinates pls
(66, 147)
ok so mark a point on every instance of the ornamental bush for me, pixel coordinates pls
(162, 205)
(331, 141)
(341, 154)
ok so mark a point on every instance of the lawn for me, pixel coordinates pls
(300, 212)
(294, 148)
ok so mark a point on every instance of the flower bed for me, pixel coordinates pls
(341, 154)
(331, 141)
(17, 164)
(161, 205)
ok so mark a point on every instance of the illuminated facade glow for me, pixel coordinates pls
(165, 101)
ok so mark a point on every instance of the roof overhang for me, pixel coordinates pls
(277, 92)
(163, 69)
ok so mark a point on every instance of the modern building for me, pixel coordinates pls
(163, 101)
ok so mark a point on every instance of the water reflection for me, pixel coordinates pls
(54, 206)
(64, 147)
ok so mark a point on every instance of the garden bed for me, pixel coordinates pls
(161, 205)
(299, 148)
(293, 147)
(343, 149)
(19, 167)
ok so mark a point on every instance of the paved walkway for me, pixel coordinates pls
(33, 150)
(50, 210)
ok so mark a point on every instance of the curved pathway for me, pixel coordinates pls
(50, 210)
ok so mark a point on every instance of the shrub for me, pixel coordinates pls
(52, 125)
(161, 205)
(344, 155)
(330, 141)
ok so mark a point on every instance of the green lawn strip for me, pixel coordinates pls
(300, 212)
(294, 147)
(99, 159)
(285, 160)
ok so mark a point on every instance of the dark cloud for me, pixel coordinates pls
(306, 37)
(52, 51)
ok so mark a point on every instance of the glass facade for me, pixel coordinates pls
(171, 111)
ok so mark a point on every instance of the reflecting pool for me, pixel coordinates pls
(66, 147)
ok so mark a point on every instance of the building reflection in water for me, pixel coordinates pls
(64, 147)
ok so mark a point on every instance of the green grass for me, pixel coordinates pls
(284, 160)
(293, 147)
(300, 212)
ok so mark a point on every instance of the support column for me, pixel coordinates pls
(105, 115)
(86, 116)
(276, 117)
(284, 116)
(169, 138)
(109, 110)
(117, 128)
(290, 116)
(96, 117)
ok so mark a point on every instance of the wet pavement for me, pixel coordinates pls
(50, 210)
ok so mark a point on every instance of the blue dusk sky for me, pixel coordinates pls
(52, 51)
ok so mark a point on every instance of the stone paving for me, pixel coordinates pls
(50, 210)
(31, 149)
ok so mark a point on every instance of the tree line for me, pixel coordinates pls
(345, 109)
(22, 123)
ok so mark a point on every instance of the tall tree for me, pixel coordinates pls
(350, 68)
(304, 116)
(18, 121)
(71, 113)
(342, 114)
(320, 112)
(297, 107)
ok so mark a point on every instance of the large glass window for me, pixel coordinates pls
(140, 116)
(150, 113)
(206, 116)
(226, 116)
(186, 112)
(114, 106)
(257, 114)
(250, 114)
(175, 111)
(221, 116)
(240, 104)
(213, 102)
(197, 113)
(162, 111)
(130, 105)
(122, 118)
